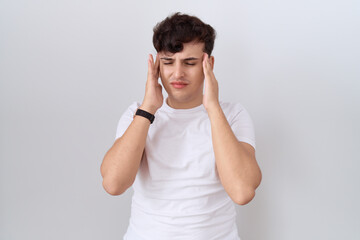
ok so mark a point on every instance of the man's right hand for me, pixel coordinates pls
(153, 98)
(122, 161)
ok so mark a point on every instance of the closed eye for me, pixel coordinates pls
(186, 63)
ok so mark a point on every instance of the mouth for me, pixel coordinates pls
(179, 85)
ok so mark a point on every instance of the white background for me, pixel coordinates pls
(68, 70)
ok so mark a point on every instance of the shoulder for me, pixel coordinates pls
(231, 109)
(231, 105)
(129, 111)
(126, 118)
(132, 107)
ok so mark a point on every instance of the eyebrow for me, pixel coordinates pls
(186, 59)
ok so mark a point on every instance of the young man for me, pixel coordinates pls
(190, 156)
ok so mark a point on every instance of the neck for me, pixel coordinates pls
(184, 105)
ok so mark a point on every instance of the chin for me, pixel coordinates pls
(182, 99)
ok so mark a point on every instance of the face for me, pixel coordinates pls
(182, 75)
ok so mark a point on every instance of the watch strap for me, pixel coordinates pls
(145, 114)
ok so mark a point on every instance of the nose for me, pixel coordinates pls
(179, 71)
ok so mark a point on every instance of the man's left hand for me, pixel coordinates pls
(211, 93)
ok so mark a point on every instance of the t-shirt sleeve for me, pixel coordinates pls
(242, 125)
(126, 119)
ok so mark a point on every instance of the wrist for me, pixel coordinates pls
(148, 108)
(145, 114)
(214, 110)
(213, 107)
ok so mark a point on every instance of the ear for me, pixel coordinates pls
(212, 60)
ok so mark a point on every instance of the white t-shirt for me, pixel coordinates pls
(177, 190)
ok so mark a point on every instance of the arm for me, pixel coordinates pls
(122, 161)
(237, 167)
(238, 170)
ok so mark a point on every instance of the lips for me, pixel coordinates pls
(179, 85)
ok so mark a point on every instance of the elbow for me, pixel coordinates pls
(112, 188)
(244, 197)
(246, 193)
(110, 185)
(259, 179)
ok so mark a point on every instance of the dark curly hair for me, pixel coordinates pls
(173, 31)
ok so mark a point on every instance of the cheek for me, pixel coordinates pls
(164, 72)
(198, 74)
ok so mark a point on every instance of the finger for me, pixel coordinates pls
(205, 55)
(208, 69)
(157, 66)
(150, 64)
(204, 62)
(208, 61)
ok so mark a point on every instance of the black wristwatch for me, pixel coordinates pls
(145, 114)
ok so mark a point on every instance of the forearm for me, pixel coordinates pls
(122, 161)
(237, 168)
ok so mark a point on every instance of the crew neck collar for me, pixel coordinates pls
(167, 108)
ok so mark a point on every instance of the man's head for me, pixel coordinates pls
(181, 41)
(171, 33)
